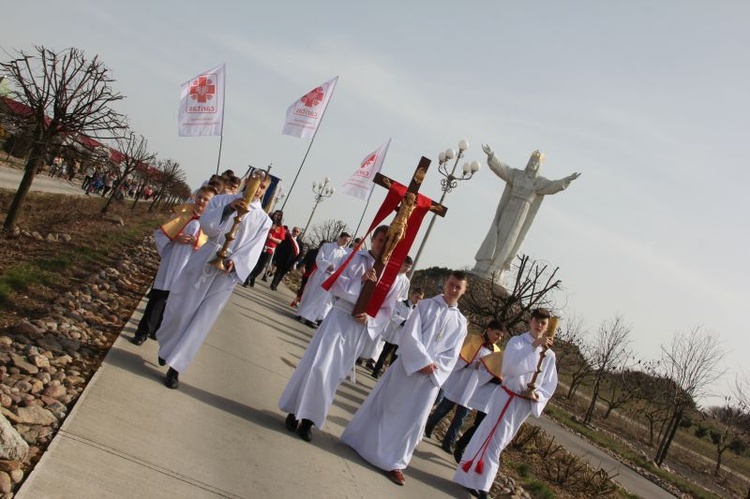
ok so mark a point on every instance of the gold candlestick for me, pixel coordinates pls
(251, 187)
(530, 391)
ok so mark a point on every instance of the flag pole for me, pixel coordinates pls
(223, 106)
(221, 141)
(291, 187)
(356, 231)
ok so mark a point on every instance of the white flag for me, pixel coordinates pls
(304, 115)
(202, 104)
(360, 184)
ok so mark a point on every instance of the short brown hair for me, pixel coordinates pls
(208, 189)
(541, 313)
(460, 275)
(496, 325)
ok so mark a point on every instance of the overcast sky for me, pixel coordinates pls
(648, 100)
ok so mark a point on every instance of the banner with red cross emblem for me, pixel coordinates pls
(202, 104)
(305, 114)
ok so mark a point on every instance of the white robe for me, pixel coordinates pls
(201, 291)
(400, 289)
(174, 256)
(507, 413)
(464, 380)
(316, 302)
(333, 350)
(481, 399)
(388, 426)
(401, 313)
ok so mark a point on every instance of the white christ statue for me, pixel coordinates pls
(523, 194)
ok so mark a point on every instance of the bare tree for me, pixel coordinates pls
(328, 230)
(651, 401)
(729, 417)
(170, 174)
(134, 148)
(532, 287)
(621, 388)
(570, 349)
(609, 351)
(66, 94)
(691, 362)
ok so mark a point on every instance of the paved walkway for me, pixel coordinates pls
(221, 434)
(10, 178)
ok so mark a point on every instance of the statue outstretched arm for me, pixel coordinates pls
(554, 186)
(498, 167)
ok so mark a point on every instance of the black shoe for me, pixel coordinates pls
(375, 374)
(162, 362)
(370, 364)
(152, 335)
(138, 339)
(309, 324)
(172, 380)
(251, 282)
(264, 279)
(305, 430)
(291, 422)
(473, 492)
(273, 288)
(481, 494)
(446, 446)
(458, 453)
(428, 432)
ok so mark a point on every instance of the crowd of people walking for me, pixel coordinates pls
(431, 362)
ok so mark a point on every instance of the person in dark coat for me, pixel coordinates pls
(285, 256)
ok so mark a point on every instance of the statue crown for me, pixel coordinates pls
(537, 155)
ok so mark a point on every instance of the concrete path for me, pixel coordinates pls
(222, 435)
(10, 178)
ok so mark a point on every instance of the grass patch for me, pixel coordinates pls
(601, 439)
(538, 490)
(22, 277)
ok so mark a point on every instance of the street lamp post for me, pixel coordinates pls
(448, 183)
(322, 191)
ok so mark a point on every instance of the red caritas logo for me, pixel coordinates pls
(311, 100)
(202, 90)
(364, 168)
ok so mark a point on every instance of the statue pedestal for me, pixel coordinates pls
(496, 277)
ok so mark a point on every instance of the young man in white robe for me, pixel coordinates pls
(176, 241)
(388, 426)
(316, 302)
(463, 381)
(510, 405)
(399, 288)
(202, 290)
(336, 345)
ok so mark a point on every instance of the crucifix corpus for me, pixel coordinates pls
(410, 211)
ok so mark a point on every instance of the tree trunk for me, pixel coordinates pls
(115, 189)
(135, 200)
(155, 202)
(35, 157)
(718, 462)
(661, 455)
(592, 406)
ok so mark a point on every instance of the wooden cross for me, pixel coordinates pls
(397, 229)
